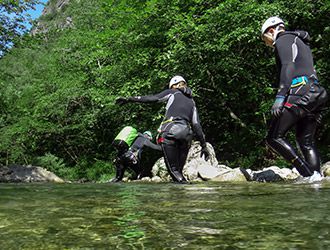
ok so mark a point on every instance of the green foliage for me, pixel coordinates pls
(101, 170)
(13, 19)
(58, 87)
(56, 165)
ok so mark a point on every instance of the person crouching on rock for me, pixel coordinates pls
(131, 157)
(180, 121)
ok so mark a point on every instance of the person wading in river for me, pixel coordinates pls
(175, 132)
(299, 98)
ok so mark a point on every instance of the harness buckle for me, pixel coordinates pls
(299, 81)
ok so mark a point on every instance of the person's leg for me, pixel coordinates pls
(120, 170)
(276, 140)
(172, 162)
(137, 170)
(305, 135)
(184, 150)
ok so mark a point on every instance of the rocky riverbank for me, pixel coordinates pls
(196, 169)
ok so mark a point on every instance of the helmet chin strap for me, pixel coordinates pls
(268, 38)
(276, 32)
(273, 36)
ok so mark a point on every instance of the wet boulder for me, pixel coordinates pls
(230, 175)
(18, 173)
(325, 169)
(197, 169)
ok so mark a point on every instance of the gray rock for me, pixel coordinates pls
(159, 170)
(285, 173)
(325, 169)
(146, 179)
(230, 175)
(156, 179)
(197, 169)
(17, 173)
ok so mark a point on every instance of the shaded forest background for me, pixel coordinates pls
(59, 82)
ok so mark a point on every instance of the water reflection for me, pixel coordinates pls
(165, 216)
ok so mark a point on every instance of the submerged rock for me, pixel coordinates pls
(18, 173)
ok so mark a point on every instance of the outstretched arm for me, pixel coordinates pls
(160, 97)
(151, 145)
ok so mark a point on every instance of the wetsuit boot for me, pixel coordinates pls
(171, 158)
(119, 173)
(302, 167)
(178, 176)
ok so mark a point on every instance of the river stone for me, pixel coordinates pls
(284, 173)
(17, 173)
(146, 179)
(196, 168)
(159, 170)
(156, 179)
(325, 169)
(208, 172)
(230, 175)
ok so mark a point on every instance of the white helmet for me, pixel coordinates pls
(270, 22)
(176, 80)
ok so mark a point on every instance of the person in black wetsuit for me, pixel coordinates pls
(176, 130)
(299, 99)
(131, 158)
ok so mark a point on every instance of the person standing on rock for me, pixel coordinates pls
(180, 121)
(299, 99)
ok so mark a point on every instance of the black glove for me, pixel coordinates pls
(121, 100)
(277, 107)
(205, 152)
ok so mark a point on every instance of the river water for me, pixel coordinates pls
(165, 216)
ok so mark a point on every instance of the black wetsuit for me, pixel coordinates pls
(175, 131)
(297, 81)
(131, 158)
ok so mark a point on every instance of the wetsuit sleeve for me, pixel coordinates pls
(197, 128)
(151, 145)
(287, 51)
(160, 97)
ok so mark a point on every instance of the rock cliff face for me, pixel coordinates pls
(53, 16)
(54, 6)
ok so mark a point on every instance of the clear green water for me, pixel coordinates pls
(165, 216)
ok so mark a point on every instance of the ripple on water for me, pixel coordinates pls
(165, 216)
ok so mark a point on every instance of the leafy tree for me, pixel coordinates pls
(58, 87)
(13, 19)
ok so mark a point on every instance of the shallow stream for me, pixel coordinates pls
(165, 216)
